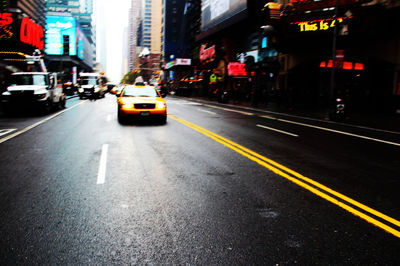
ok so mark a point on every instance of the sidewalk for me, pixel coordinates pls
(388, 122)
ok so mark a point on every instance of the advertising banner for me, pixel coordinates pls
(215, 12)
(56, 28)
(21, 30)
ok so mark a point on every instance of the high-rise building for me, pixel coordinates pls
(125, 56)
(180, 28)
(101, 41)
(145, 29)
(82, 10)
(34, 9)
(70, 37)
(134, 36)
(156, 31)
(146, 20)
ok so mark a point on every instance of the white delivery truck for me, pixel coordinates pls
(92, 85)
(37, 89)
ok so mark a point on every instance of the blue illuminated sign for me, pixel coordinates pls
(56, 27)
(80, 43)
(264, 42)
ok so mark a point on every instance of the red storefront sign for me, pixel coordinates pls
(236, 69)
(32, 33)
(25, 30)
(207, 55)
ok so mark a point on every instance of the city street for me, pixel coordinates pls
(217, 185)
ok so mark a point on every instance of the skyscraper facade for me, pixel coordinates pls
(145, 29)
(70, 37)
(146, 35)
(156, 31)
(35, 9)
(179, 28)
(82, 10)
(101, 40)
(134, 39)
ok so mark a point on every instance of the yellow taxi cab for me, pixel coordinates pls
(141, 101)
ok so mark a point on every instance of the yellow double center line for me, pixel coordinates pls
(318, 189)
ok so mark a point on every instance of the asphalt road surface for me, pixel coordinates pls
(216, 185)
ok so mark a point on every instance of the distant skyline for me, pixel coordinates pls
(110, 30)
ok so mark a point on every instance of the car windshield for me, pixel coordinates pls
(88, 81)
(27, 79)
(133, 91)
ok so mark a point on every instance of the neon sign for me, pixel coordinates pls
(319, 25)
(237, 69)
(207, 55)
(32, 33)
(346, 65)
(5, 19)
(26, 30)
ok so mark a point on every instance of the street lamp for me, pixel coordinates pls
(332, 82)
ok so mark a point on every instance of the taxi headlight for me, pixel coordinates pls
(160, 105)
(97, 89)
(127, 106)
(80, 90)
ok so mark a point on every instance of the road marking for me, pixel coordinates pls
(6, 131)
(302, 181)
(184, 102)
(331, 130)
(277, 130)
(191, 103)
(205, 111)
(38, 123)
(101, 174)
(228, 109)
(308, 118)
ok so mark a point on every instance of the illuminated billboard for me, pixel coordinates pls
(21, 29)
(214, 12)
(56, 28)
(80, 43)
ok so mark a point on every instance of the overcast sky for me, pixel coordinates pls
(116, 18)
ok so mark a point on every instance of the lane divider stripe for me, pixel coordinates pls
(101, 174)
(267, 163)
(6, 131)
(331, 130)
(277, 130)
(228, 109)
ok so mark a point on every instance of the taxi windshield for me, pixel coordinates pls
(133, 91)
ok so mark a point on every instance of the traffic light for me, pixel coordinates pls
(65, 44)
